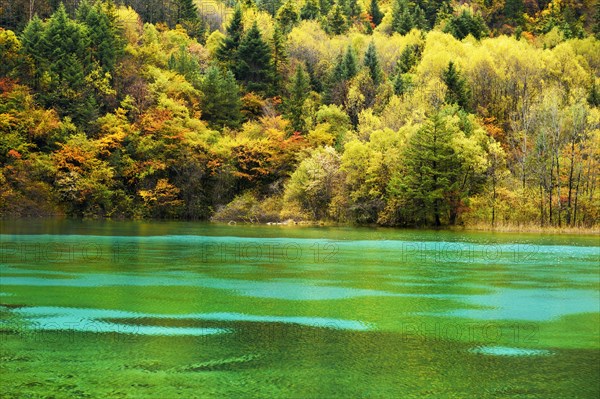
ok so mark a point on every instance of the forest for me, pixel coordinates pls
(392, 113)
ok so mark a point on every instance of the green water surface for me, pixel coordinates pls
(194, 310)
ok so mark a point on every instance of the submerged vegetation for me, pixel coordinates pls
(401, 113)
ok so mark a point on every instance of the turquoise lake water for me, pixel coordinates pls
(196, 310)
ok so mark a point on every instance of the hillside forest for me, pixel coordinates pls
(395, 113)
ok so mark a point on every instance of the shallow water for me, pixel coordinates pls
(176, 309)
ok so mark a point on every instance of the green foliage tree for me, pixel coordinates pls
(254, 67)
(287, 16)
(375, 12)
(349, 64)
(371, 61)
(336, 22)
(227, 52)
(314, 182)
(278, 55)
(299, 90)
(402, 19)
(221, 99)
(457, 90)
(430, 175)
(465, 22)
(310, 10)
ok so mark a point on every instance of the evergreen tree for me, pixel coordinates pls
(350, 64)
(299, 91)
(457, 92)
(310, 10)
(270, 6)
(402, 20)
(408, 59)
(287, 16)
(336, 23)
(351, 8)
(594, 94)
(513, 11)
(419, 19)
(372, 62)
(279, 55)
(186, 11)
(465, 23)
(83, 9)
(325, 6)
(375, 12)
(227, 52)
(32, 45)
(254, 66)
(402, 83)
(221, 99)
(431, 173)
(105, 43)
(64, 49)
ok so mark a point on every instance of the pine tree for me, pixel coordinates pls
(408, 59)
(513, 10)
(375, 12)
(419, 19)
(254, 66)
(279, 55)
(594, 94)
(350, 64)
(432, 170)
(336, 23)
(287, 16)
(32, 45)
(372, 62)
(457, 92)
(325, 6)
(221, 99)
(402, 20)
(186, 11)
(310, 10)
(227, 52)
(352, 8)
(299, 90)
(105, 43)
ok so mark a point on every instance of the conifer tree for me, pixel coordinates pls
(408, 59)
(32, 45)
(227, 52)
(325, 6)
(104, 40)
(287, 16)
(336, 23)
(299, 90)
(457, 92)
(186, 11)
(221, 99)
(372, 62)
(431, 172)
(375, 12)
(278, 55)
(254, 66)
(310, 10)
(402, 20)
(350, 64)
(419, 19)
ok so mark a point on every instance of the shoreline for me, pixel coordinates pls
(310, 223)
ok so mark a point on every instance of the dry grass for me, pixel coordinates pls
(530, 229)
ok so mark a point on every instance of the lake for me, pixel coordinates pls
(195, 310)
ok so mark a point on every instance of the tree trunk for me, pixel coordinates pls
(570, 182)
